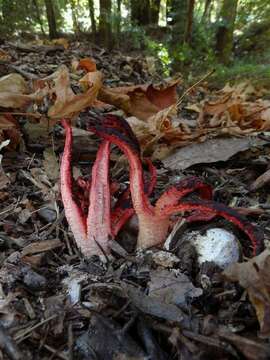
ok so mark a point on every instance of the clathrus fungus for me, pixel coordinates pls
(155, 220)
(87, 203)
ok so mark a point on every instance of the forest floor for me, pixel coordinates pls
(153, 304)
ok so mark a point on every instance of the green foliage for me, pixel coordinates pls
(198, 54)
(17, 16)
(252, 11)
(193, 58)
(258, 74)
(133, 36)
(159, 51)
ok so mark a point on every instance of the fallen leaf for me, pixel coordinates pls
(153, 306)
(88, 64)
(141, 101)
(13, 83)
(50, 164)
(14, 92)
(213, 150)
(68, 104)
(37, 131)
(9, 129)
(4, 56)
(253, 275)
(13, 88)
(61, 41)
(171, 288)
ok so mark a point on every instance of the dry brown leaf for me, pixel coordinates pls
(254, 276)
(213, 150)
(4, 56)
(13, 92)
(15, 101)
(50, 164)
(61, 41)
(234, 113)
(68, 104)
(142, 101)
(9, 129)
(88, 64)
(113, 97)
(13, 83)
(13, 88)
(171, 289)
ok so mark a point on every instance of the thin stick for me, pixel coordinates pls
(28, 332)
(193, 86)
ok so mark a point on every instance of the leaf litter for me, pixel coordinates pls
(153, 304)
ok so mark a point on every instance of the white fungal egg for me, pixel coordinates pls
(217, 245)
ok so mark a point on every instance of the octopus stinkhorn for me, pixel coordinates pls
(87, 203)
(154, 221)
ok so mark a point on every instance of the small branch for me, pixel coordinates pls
(193, 86)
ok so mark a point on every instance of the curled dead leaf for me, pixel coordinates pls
(88, 64)
(67, 103)
(253, 275)
(142, 101)
(61, 41)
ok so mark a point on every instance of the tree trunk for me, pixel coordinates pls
(105, 23)
(38, 16)
(188, 31)
(154, 11)
(8, 7)
(118, 22)
(76, 26)
(224, 35)
(140, 12)
(92, 17)
(206, 11)
(177, 12)
(51, 19)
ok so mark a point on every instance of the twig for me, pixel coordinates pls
(55, 352)
(193, 86)
(23, 336)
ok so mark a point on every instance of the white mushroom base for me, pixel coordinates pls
(217, 245)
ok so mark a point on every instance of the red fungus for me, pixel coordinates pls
(91, 231)
(123, 209)
(154, 221)
(87, 203)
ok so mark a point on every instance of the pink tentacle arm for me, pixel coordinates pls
(123, 209)
(154, 221)
(91, 232)
(217, 209)
(174, 194)
(152, 229)
(73, 212)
